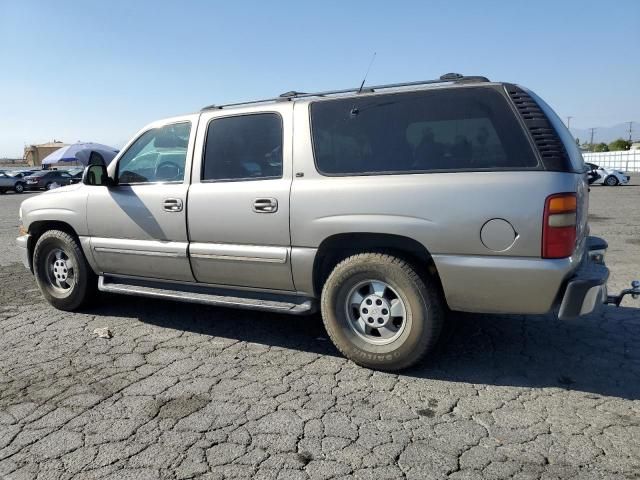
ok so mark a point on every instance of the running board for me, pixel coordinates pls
(219, 297)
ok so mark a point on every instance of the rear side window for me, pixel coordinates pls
(458, 129)
(246, 147)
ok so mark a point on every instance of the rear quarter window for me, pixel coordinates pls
(440, 130)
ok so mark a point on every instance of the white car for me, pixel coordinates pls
(605, 176)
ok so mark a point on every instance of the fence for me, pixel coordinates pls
(628, 161)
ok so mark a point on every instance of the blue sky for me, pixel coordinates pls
(99, 71)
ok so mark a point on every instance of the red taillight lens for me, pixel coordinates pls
(559, 226)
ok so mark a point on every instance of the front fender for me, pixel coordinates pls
(69, 206)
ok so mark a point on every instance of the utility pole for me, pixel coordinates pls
(630, 131)
(569, 122)
(591, 143)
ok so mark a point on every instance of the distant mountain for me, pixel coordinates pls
(607, 134)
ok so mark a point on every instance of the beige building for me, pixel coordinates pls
(34, 154)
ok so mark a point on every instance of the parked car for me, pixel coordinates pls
(605, 176)
(384, 208)
(46, 179)
(21, 173)
(11, 182)
(76, 174)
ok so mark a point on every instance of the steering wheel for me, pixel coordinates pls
(168, 171)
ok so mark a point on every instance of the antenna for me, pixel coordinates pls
(365, 75)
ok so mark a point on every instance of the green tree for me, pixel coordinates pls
(600, 147)
(619, 144)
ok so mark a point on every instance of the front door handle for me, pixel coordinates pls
(265, 205)
(172, 205)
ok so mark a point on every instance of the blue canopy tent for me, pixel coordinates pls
(81, 152)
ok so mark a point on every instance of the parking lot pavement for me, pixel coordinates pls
(188, 391)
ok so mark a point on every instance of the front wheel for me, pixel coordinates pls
(62, 272)
(19, 187)
(48, 186)
(611, 181)
(380, 313)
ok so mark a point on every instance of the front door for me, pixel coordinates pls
(238, 209)
(138, 227)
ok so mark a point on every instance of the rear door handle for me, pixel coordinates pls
(265, 205)
(172, 205)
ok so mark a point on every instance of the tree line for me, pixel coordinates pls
(615, 146)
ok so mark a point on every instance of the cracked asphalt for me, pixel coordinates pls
(187, 391)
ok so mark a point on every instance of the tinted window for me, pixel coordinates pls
(158, 155)
(461, 129)
(244, 147)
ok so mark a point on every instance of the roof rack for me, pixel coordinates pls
(287, 96)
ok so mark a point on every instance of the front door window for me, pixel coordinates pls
(158, 155)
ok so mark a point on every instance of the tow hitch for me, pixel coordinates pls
(634, 291)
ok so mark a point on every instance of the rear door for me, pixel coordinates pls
(238, 207)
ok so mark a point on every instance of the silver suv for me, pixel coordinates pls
(385, 207)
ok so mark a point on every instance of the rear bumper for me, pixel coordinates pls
(491, 284)
(587, 288)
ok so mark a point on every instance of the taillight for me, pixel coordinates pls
(559, 226)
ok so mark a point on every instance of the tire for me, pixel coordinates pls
(19, 187)
(611, 181)
(416, 333)
(2, 192)
(47, 186)
(57, 254)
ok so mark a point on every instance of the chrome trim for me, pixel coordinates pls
(137, 252)
(147, 248)
(211, 256)
(239, 253)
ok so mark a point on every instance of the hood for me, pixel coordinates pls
(68, 188)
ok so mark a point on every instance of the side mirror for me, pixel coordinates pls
(96, 175)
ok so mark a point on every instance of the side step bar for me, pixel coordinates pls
(289, 304)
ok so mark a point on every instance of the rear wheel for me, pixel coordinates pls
(380, 313)
(62, 272)
(611, 181)
(19, 187)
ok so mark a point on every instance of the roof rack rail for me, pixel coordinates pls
(287, 96)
